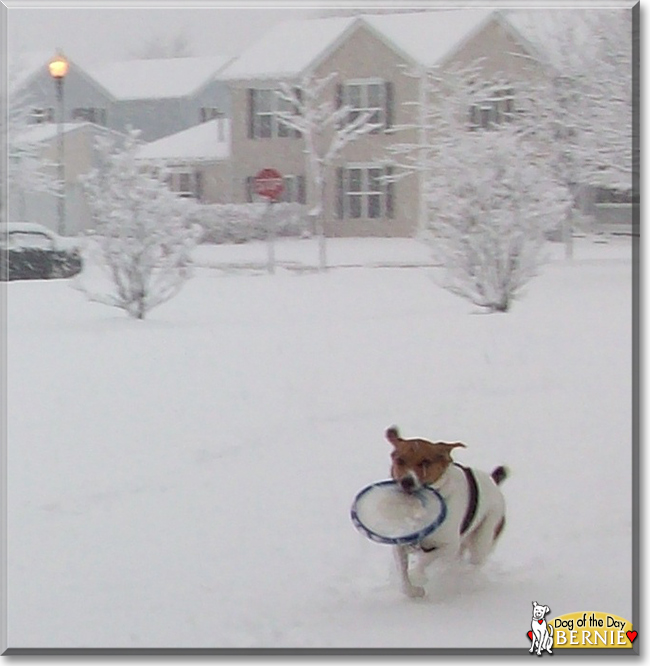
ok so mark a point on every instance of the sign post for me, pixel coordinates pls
(268, 183)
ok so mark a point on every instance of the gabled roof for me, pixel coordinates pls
(428, 38)
(425, 38)
(158, 78)
(26, 66)
(289, 48)
(207, 142)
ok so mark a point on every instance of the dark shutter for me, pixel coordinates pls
(198, 190)
(390, 194)
(389, 104)
(302, 193)
(251, 113)
(298, 94)
(340, 193)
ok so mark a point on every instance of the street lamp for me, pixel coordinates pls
(58, 69)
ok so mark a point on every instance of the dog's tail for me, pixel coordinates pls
(500, 474)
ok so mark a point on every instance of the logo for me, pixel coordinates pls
(541, 633)
(578, 630)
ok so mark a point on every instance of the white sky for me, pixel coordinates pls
(103, 32)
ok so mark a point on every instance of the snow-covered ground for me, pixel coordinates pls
(185, 481)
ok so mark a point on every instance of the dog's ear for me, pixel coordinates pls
(534, 603)
(450, 446)
(392, 435)
(548, 610)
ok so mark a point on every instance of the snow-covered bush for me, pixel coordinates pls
(240, 223)
(491, 200)
(142, 240)
(491, 193)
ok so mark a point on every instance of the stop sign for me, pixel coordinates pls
(268, 183)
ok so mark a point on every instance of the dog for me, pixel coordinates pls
(475, 505)
(541, 635)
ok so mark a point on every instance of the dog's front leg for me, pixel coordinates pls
(402, 561)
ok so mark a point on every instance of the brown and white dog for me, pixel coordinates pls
(475, 505)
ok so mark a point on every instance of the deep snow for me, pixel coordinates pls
(185, 481)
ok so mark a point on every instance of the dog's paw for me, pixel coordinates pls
(414, 591)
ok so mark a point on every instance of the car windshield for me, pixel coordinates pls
(29, 239)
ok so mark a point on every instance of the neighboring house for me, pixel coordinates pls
(158, 97)
(80, 156)
(197, 159)
(164, 96)
(84, 98)
(381, 62)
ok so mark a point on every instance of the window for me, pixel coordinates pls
(90, 115)
(365, 192)
(209, 113)
(186, 183)
(263, 107)
(496, 109)
(294, 190)
(42, 115)
(368, 95)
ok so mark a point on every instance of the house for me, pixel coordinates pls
(84, 98)
(79, 157)
(380, 61)
(197, 159)
(164, 96)
(158, 97)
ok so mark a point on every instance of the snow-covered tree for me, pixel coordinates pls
(27, 171)
(490, 192)
(584, 100)
(142, 240)
(325, 130)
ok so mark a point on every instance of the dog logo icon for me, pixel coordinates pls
(541, 634)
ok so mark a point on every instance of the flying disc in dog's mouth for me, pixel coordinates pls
(385, 513)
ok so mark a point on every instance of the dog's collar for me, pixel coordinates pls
(472, 486)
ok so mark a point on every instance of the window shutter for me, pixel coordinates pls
(251, 113)
(198, 185)
(249, 189)
(302, 193)
(340, 193)
(298, 94)
(389, 104)
(390, 194)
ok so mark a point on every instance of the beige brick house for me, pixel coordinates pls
(380, 63)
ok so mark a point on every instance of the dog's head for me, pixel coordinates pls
(539, 611)
(417, 462)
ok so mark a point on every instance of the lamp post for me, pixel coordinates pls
(58, 69)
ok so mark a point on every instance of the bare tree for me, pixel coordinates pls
(325, 131)
(160, 47)
(142, 240)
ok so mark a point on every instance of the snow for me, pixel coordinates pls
(158, 78)
(429, 37)
(288, 48)
(186, 480)
(209, 141)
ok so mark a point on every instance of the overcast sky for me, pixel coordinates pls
(99, 33)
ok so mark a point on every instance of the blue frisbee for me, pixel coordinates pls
(384, 513)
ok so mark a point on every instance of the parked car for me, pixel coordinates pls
(31, 251)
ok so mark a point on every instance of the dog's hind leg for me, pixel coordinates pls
(482, 541)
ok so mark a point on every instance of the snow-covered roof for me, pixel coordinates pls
(207, 142)
(48, 131)
(158, 78)
(429, 37)
(291, 47)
